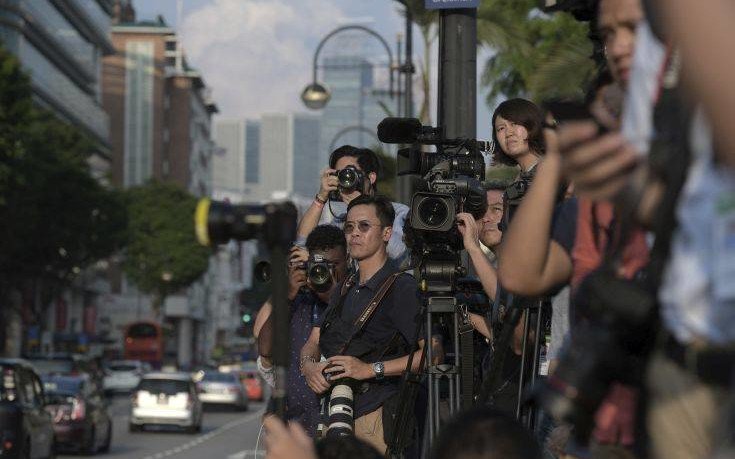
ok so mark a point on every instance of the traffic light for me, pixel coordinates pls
(247, 318)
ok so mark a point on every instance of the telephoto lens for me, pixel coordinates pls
(341, 415)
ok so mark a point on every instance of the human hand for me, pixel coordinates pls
(287, 442)
(345, 366)
(296, 279)
(599, 166)
(315, 379)
(615, 418)
(328, 183)
(469, 230)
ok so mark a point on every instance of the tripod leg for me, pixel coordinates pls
(524, 354)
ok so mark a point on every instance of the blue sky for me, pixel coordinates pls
(256, 54)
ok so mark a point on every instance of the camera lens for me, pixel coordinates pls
(347, 178)
(320, 276)
(433, 212)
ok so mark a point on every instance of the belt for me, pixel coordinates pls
(712, 365)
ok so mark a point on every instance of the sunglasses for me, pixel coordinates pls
(363, 226)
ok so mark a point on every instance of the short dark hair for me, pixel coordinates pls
(325, 237)
(383, 207)
(485, 433)
(366, 158)
(495, 185)
(527, 114)
(347, 446)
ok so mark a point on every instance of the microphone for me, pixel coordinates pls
(399, 130)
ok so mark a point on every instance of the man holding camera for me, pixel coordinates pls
(312, 277)
(371, 325)
(352, 172)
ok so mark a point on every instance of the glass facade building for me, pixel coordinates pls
(61, 45)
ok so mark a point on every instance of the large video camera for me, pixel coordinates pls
(452, 176)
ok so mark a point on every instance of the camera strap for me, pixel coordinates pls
(367, 313)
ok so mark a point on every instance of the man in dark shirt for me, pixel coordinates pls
(308, 302)
(379, 353)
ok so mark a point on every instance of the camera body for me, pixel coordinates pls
(318, 272)
(452, 176)
(349, 179)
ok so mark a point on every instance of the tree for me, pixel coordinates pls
(57, 219)
(537, 56)
(163, 255)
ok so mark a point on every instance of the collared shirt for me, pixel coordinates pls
(398, 312)
(396, 247)
(302, 403)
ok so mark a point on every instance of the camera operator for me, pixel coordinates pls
(691, 370)
(336, 198)
(326, 244)
(379, 352)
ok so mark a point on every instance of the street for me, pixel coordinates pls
(226, 434)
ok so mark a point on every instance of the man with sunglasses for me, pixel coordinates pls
(336, 199)
(378, 353)
(325, 244)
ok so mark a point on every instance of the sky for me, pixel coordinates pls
(256, 55)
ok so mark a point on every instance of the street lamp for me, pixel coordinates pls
(316, 95)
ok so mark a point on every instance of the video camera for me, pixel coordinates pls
(582, 10)
(451, 184)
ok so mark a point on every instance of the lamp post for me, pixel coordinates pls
(316, 95)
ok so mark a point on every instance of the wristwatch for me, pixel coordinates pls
(379, 369)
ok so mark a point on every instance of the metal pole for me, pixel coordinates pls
(458, 72)
(404, 188)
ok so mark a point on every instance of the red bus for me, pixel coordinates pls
(144, 341)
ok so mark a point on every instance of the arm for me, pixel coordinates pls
(703, 34)
(530, 262)
(261, 317)
(479, 323)
(314, 212)
(345, 366)
(470, 235)
(311, 367)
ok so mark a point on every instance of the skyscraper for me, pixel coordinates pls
(291, 159)
(354, 111)
(236, 165)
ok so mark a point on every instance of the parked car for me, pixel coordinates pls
(223, 389)
(253, 384)
(124, 375)
(61, 363)
(26, 429)
(79, 410)
(166, 398)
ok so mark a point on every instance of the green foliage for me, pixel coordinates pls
(387, 180)
(57, 219)
(163, 255)
(537, 56)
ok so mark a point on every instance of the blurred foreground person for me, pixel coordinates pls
(483, 433)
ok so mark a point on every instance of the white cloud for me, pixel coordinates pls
(257, 54)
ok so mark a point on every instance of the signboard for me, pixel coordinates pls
(450, 4)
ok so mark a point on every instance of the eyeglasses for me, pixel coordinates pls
(362, 226)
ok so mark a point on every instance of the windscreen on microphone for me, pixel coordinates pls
(399, 130)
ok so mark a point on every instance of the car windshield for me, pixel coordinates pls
(163, 386)
(219, 377)
(122, 367)
(46, 366)
(63, 386)
(142, 331)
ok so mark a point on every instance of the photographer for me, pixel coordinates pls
(309, 292)
(379, 352)
(335, 198)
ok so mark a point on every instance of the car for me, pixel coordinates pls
(122, 376)
(26, 429)
(166, 399)
(218, 388)
(61, 363)
(79, 410)
(253, 384)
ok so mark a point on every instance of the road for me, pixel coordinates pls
(225, 435)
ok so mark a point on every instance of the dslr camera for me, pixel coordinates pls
(349, 179)
(452, 183)
(318, 271)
